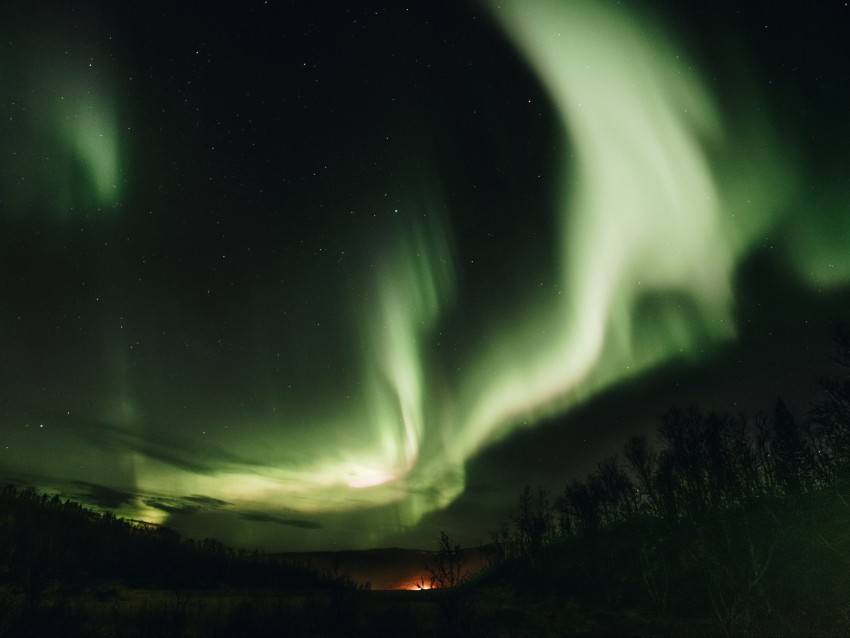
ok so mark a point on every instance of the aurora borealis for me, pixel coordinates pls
(295, 276)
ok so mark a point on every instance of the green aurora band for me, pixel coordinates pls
(64, 135)
(651, 231)
(662, 195)
(661, 200)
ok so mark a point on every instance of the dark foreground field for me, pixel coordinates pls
(471, 611)
(121, 611)
(127, 612)
(779, 567)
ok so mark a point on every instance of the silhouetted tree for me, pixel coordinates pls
(830, 417)
(534, 521)
(564, 521)
(720, 514)
(585, 501)
(617, 495)
(643, 462)
(683, 462)
(501, 547)
(789, 453)
(446, 569)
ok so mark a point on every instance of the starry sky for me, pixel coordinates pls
(336, 275)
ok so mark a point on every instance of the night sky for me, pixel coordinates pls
(326, 275)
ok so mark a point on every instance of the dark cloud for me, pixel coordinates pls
(255, 517)
(171, 505)
(185, 505)
(154, 442)
(85, 492)
(207, 502)
(102, 495)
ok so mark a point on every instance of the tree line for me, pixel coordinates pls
(710, 517)
(45, 540)
(703, 464)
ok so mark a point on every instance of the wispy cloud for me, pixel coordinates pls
(207, 502)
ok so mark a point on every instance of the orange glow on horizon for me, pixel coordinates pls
(419, 584)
